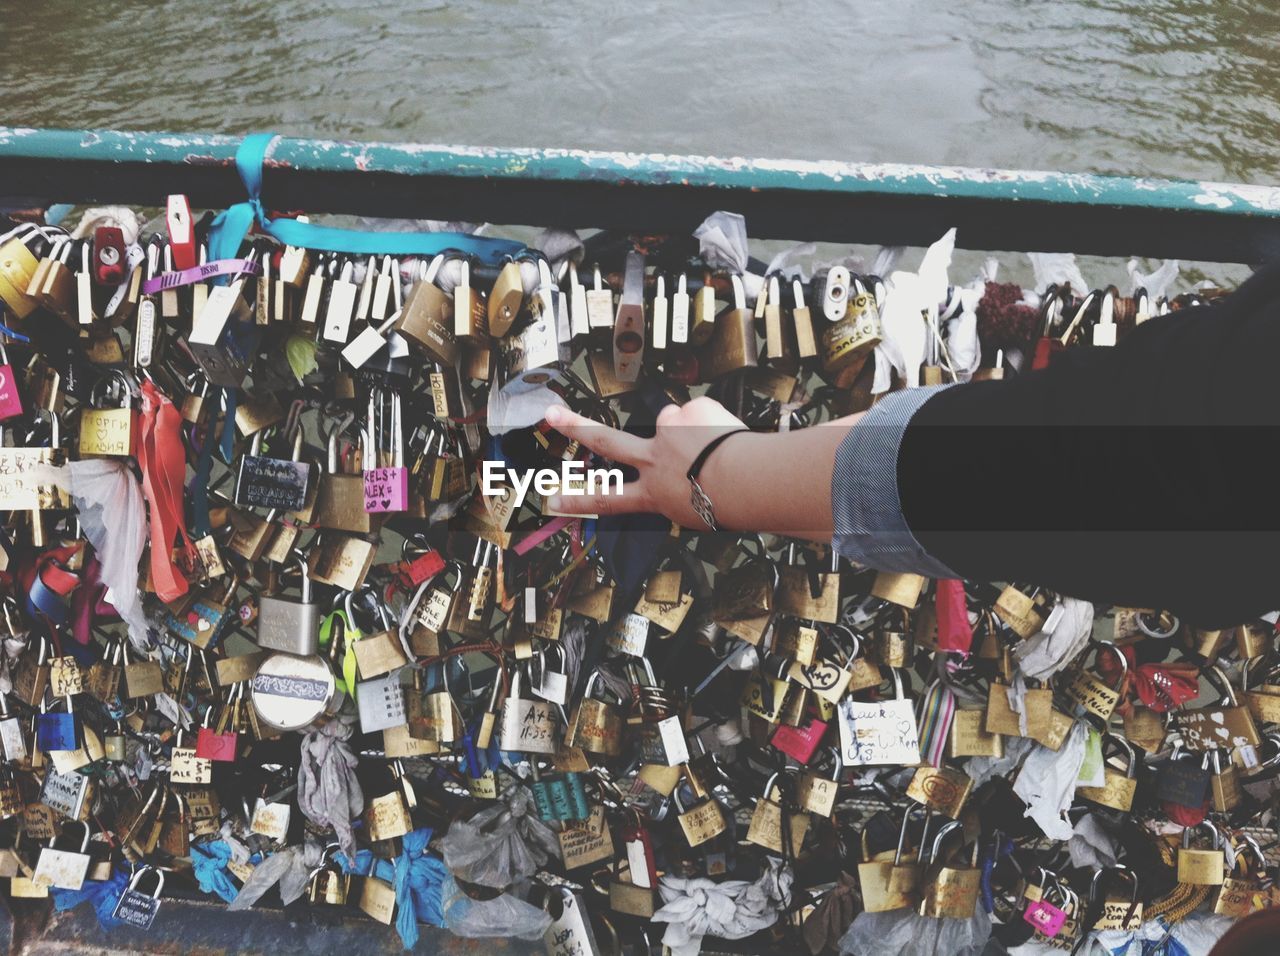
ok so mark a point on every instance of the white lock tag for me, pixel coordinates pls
(270, 819)
(673, 742)
(638, 861)
(531, 607)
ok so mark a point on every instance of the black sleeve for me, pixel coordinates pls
(1142, 475)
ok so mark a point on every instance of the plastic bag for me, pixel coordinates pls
(101, 487)
(722, 243)
(905, 334)
(733, 909)
(905, 932)
(502, 845)
(1047, 783)
(503, 916)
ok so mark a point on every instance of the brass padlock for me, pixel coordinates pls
(950, 891)
(941, 789)
(1200, 867)
(970, 738)
(1023, 612)
(527, 724)
(339, 501)
(594, 724)
(1094, 694)
(895, 885)
(893, 639)
(732, 345)
(1119, 786)
(767, 828)
(808, 593)
(1240, 887)
(1224, 785)
(702, 822)
(816, 793)
(1223, 724)
(108, 432)
(328, 883)
(428, 315)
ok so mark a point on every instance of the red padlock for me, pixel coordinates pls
(110, 258)
(182, 232)
(800, 743)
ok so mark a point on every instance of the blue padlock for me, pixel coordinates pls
(57, 730)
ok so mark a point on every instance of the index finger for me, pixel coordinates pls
(612, 443)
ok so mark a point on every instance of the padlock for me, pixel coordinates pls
(805, 592)
(527, 724)
(732, 345)
(1200, 867)
(10, 396)
(1091, 692)
(769, 830)
(950, 891)
(1049, 914)
(136, 908)
(970, 737)
(280, 484)
(470, 611)
(63, 869)
(57, 730)
(1224, 785)
(1184, 780)
(378, 652)
(437, 716)
(18, 265)
(1223, 724)
(701, 822)
(1119, 786)
(287, 625)
(1264, 701)
(1037, 709)
(898, 588)
(328, 883)
(108, 432)
(892, 885)
(142, 678)
(13, 742)
(57, 291)
(387, 814)
(185, 767)
(852, 336)
(1025, 613)
(223, 338)
(340, 496)
(340, 305)
(941, 789)
(1241, 886)
(879, 733)
(893, 639)
(291, 692)
(386, 479)
(428, 316)
(1251, 641)
(817, 793)
(202, 618)
(594, 724)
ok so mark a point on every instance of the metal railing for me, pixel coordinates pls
(658, 193)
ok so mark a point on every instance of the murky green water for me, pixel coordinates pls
(1169, 87)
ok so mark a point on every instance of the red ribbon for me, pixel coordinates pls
(1161, 687)
(164, 465)
(954, 631)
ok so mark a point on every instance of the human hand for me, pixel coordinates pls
(663, 461)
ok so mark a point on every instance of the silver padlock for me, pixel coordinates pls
(136, 908)
(292, 692)
(288, 625)
(63, 869)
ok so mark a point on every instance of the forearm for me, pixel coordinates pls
(779, 482)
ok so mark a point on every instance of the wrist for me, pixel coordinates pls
(718, 476)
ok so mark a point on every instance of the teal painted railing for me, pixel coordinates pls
(791, 199)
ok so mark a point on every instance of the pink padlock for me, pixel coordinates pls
(10, 399)
(1047, 918)
(386, 479)
(800, 743)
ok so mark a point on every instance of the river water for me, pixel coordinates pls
(1180, 88)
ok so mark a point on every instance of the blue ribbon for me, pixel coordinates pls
(417, 878)
(230, 227)
(209, 863)
(103, 895)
